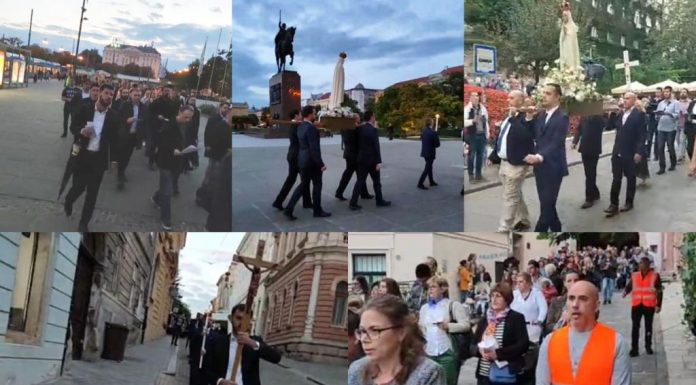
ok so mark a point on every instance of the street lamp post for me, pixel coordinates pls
(79, 31)
(437, 121)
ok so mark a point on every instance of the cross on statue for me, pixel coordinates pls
(626, 65)
(255, 265)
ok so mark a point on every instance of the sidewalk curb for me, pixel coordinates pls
(302, 374)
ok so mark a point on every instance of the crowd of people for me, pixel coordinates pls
(526, 328)
(502, 83)
(109, 120)
(530, 138)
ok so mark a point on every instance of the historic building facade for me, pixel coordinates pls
(36, 282)
(306, 296)
(142, 56)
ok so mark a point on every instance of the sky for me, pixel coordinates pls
(177, 35)
(201, 262)
(386, 41)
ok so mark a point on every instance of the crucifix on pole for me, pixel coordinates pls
(257, 266)
(626, 66)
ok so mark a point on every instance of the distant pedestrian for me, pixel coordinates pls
(177, 324)
(67, 96)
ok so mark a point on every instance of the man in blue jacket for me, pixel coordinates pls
(430, 141)
(369, 161)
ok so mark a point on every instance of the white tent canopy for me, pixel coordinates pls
(635, 86)
(675, 86)
(690, 86)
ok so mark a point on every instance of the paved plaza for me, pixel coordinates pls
(34, 155)
(260, 168)
(665, 203)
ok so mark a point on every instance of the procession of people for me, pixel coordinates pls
(110, 121)
(524, 328)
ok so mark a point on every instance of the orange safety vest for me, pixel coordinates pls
(597, 361)
(643, 290)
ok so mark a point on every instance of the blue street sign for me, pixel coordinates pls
(485, 59)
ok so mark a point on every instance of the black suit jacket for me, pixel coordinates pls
(630, 136)
(519, 143)
(221, 139)
(690, 128)
(217, 357)
(127, 111)
(192, 128)
(169, 138)
(550, 143)
(368, 145)
(294, 148)
(350, 143)
(430, 141)
(515, 341)
(310, 149)
(589, 134)
(208, 132)
(109, 134)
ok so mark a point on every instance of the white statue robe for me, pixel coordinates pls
(568, 42)
(337, 89)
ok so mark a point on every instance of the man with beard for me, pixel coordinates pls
(163, 109)
(169, 155)
(133, 113)
(67, 96)
(191, 137)
(683, 102)
(653, 102)
(96, 128)
(667, 115)
(369, 162)
(88, 96)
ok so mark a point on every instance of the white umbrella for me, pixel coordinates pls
(337, 87)
(635, 86)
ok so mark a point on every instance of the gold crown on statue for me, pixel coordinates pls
(343, 55)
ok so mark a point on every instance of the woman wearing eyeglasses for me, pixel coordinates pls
(438, 318)
(394, 347)
(500, 340)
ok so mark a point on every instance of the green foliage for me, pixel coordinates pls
(350, 103)
(673, 48)
(689, 279)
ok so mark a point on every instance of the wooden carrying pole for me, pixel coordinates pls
(205, 335)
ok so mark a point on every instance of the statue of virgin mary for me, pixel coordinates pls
(568, 41)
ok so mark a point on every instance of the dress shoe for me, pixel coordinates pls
(355, 207)
(289, 215)
(661, 171)
(368, 196)
(340, 197)
(611, 211)
(383, 203)
(672, 168)
(633, 353)
(422, 187)
(521, 226)
(433, 184)
(627, 207)
(587, 205)
(649, 351)
(279, 206)
(322, 214)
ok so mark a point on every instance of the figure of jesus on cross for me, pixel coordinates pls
(626, 65)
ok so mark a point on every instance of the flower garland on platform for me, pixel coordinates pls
(339, 112)
(574, 85)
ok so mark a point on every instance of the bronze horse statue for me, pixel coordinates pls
(284, 48)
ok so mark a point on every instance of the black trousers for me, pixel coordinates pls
(351, 168)
(690, 143)
(66, 118)
(363, 171)
(620, 167)
(589, 163)
(87, 176)
(638, 312)
(548, 188)
(652, 133)
(128, 143)
(665, 137)
(195, 374)
(427, 171)
(308, 175)
(293, 172)
(175, 337)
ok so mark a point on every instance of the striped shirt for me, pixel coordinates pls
(485, 366)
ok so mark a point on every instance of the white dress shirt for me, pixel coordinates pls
(438, 341)
(85, 95)
(98, 122)
(549, 113)
(134, 126)
(534, 308)
(625, 116)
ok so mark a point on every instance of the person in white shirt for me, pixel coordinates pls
(439, 318)
(530, 302)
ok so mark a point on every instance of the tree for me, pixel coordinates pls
(350, 103)
(671, 48)
(688, 278)
(90, 58)
(12, 41)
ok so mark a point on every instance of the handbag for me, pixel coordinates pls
(530, 358)
(501, 375)
(460, 341)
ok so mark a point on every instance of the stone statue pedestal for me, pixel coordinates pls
(285, 96)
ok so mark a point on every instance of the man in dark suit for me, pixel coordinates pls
(627, 153)
(430, 141)
(590, 131)
(293, 167)
(195, 342)
(515, 140)
(654, 101)
(349, 137)
(690, 128)
(215, 141)
(369, 161)
(219, 357)
(97, 147)
(67, 96)
(310, 163)
(79, 102)
(132, 132)
(549, 161)
(191, 136)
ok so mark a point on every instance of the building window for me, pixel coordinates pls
(292, 303)
(370, 266)
(594, 3)
(340, 304)
(610, 8)
(610, 37)
(27, 302)
(636, 20)
(648, 21)
(623, 40)
(594, 32)
(636, 45)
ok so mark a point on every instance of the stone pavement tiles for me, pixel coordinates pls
(34, 157)
(647, 370)
(680, 345)
(666, 203)
(142, 365)
(260, 168)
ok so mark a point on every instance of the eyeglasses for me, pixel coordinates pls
(373, 334)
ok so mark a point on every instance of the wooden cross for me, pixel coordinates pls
(626, 65)
(255, 265)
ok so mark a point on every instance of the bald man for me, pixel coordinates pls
(585, 351)
(515, 140)
(627, 153)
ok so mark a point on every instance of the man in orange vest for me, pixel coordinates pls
(645, 287)
(585, 352)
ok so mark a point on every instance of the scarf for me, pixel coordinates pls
(494, 319)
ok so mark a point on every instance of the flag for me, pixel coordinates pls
(200, 65)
